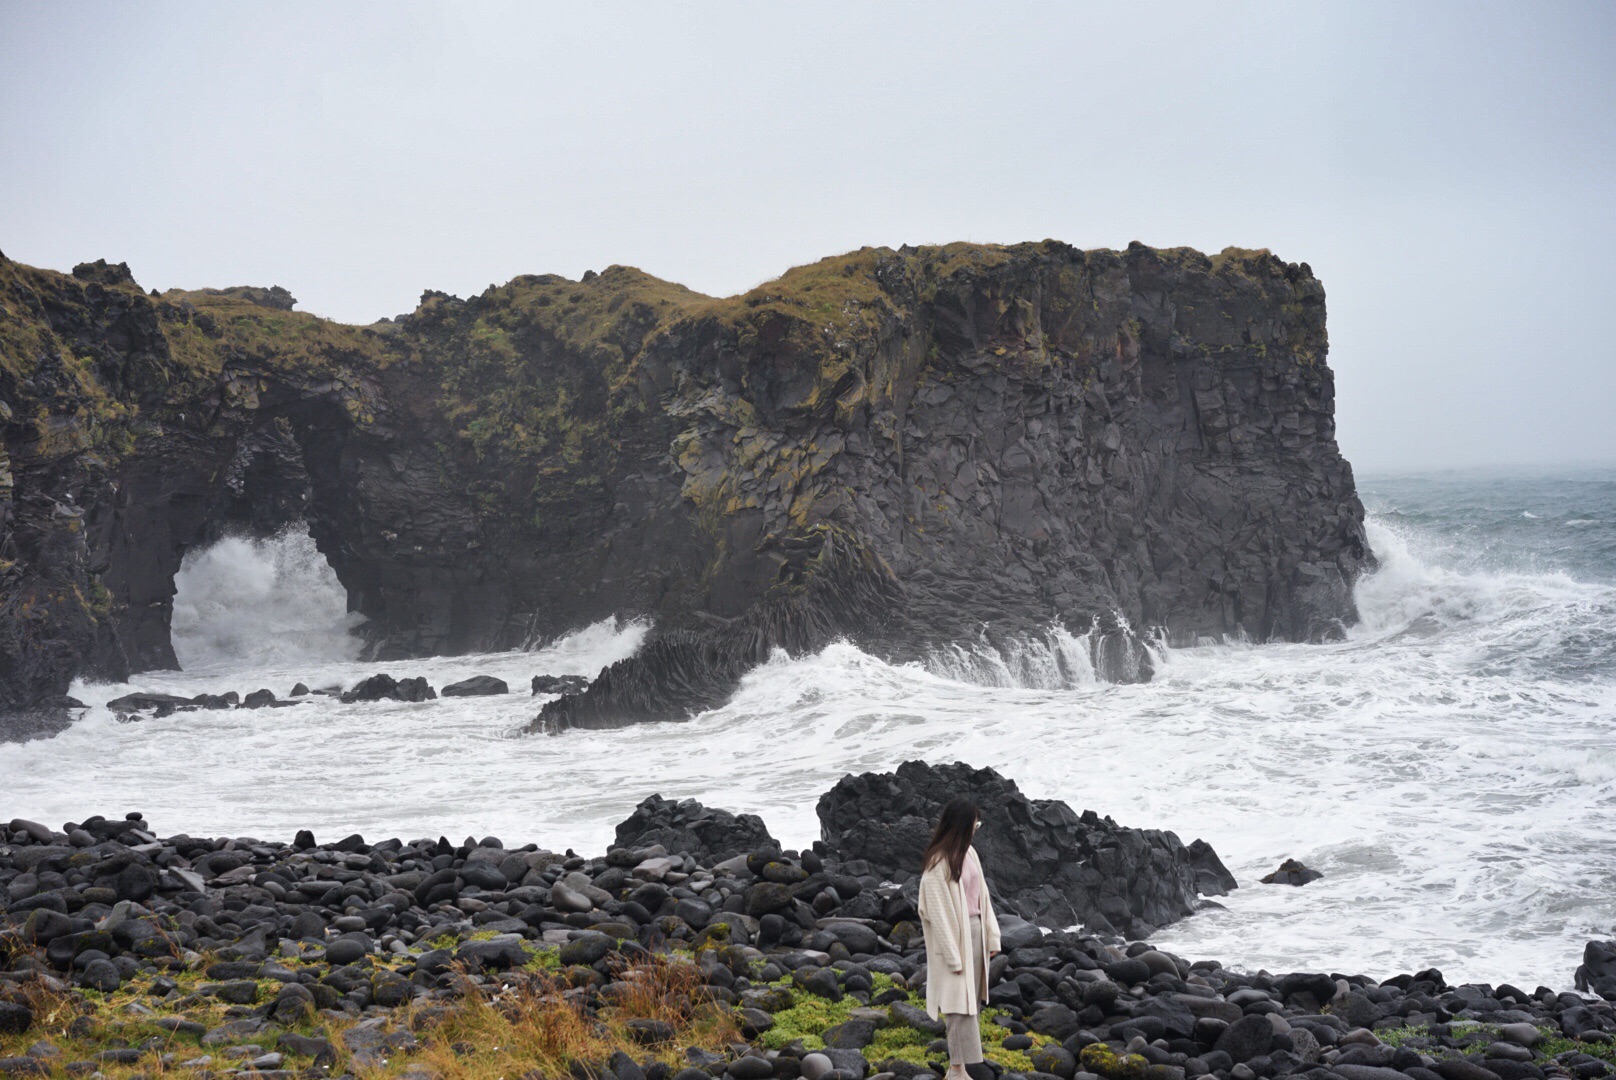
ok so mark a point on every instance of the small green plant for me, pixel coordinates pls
(1555, 1044)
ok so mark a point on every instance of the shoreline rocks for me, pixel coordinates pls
(380, 687)
(1045, 861)
(690, 827)
(233, 946)
(1291, 872)
(476, 686)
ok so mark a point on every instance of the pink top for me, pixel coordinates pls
(971, 882)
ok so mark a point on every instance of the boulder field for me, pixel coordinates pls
(694, 949)
(904, 447)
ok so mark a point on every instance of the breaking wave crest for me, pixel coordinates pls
(1448, 765)
(242, 603)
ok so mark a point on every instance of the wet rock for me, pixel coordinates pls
(1512, 1070)
(147, 702)
(383, 687)
(750, 1067)
(1597, 972)
(37, 833)
(566, 898)
(1356, 1009)
(1353, 1071)
(1579, 1020)
(348, 949)
(559, 684)
(1247, 1038)
(1521, 1034)
(856, 936)
(1057, 1021)
(1046, 862)
(1129, 972)
(1291, 872)
(476, 686)
(1462, 1069)
(687, 826)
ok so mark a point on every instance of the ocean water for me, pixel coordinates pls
(1450, 766)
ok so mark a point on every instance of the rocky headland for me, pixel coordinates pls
(904, 447)
(694, 949)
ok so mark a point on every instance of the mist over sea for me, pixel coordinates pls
(1450, 766)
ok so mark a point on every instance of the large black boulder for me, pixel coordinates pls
(1291, 872)
(559, 684)
(1597, 973)
(1212, 878)
(688, 826)
(386, 688)
(477, 686)
(1043, 860)
(143, 701)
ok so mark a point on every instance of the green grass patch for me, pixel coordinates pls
(809, 1016)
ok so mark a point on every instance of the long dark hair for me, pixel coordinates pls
(952, 837)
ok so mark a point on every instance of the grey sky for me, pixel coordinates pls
(1445, 168)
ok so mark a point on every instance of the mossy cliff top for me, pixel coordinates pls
(84, 350)
(1012, 435)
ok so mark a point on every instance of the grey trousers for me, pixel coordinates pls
(964, 1034)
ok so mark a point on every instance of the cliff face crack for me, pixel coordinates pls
(902, 447)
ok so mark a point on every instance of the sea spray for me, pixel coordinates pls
(1449, 765)
(243, 603)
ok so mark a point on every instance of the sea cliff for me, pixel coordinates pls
(906, 447)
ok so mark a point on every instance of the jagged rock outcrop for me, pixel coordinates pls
(903, 447)
(1043, 861)
(1597, 972)
(687, 825)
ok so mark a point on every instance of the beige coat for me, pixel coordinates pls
(948, 947)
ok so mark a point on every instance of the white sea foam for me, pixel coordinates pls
(244, 603)
(1054, 660)
(1449, 765)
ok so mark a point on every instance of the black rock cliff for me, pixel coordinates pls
(905, 447)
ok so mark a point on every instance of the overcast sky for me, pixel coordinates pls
(1446, 169)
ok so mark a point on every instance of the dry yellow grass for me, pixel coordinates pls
(522, 1023)
(539, 1024)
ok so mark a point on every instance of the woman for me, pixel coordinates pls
(961, 932)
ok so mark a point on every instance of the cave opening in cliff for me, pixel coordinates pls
(256, 589)
(250, 601)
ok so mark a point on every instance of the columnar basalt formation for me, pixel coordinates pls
(904, 447)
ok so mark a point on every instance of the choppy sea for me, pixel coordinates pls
(1450, 766)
